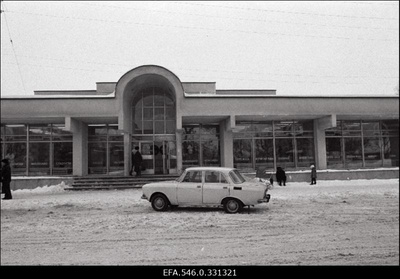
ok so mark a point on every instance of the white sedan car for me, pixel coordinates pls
(207, 186)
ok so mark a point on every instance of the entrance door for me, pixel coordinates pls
(159, 157)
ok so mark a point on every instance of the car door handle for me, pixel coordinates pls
(224, 187)
(198, 186)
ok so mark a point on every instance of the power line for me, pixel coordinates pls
(202, 70)
(208, 29)
(12, 45)
(242, 19)
(286, 12)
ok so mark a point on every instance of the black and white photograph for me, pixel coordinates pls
(200, 138)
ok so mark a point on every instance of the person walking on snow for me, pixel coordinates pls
(313, 175)
(6, 179)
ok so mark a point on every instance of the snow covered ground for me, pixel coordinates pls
(354, 222)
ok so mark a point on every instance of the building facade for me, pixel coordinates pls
(181, 124)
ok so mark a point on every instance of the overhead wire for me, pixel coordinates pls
(207, 29)
(13, 48)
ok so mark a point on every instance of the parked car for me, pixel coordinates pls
(207, 186)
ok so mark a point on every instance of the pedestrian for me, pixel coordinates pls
(313, 175)
(280, 176)
(6, 179)
(137, 160)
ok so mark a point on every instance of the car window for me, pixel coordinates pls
(236, 177)
(214, 177)
(192, 176)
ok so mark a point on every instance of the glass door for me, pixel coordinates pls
(146, 149)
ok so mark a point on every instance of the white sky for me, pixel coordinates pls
(297, 48)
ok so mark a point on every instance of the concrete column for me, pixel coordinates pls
(319, 139)
(179, 164)
(79, 145)
(127, 153)
(179, 133)
(226, 138)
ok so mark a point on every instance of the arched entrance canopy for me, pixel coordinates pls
(139, 78)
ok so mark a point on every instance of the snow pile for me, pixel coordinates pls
(52, 189)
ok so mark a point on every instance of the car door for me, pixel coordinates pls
(189, 191)
(215, 187)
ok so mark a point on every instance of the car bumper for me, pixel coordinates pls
(143, 197)
(266, 199)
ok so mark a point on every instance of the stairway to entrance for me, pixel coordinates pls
(107, 182)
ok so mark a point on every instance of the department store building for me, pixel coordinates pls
(181, 124)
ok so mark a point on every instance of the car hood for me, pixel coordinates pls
(161, 183)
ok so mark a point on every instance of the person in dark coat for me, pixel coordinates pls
(6, 179)
(313, 175)
(280, 176)
(137, 160)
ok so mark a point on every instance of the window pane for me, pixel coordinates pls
(59, 133)
(171, 127)
(62, 163)
(192, 176)
(97, 157)
(114, 134)
(148, 127)
(16, 153)
(15, 132)
(391, 151)
(39, 132)
(283, 128)
(116, 156)
(148, 113)
(391, 125)
(353, 152)
(334, 153)
(264, 149)
(211, 177)
(351, 128)
(210, 153)
(158, 127)
(148, 97)
(190, 156)
(39, 158)
(284, 153)
(305, 152)
(159, 114)
(372, 152)
(159, 98)
(170, 113)
(263, 129)
(242, 154)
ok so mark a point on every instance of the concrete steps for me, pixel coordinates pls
(104, 182)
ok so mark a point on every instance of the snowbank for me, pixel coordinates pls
(52, 189)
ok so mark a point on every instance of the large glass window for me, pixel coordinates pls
(370, 143)
(270, 144)
(38, 149)
(200, 146)
(106, 149)
(153, 112)
(243, 154)
(16, 153)
(264, 152)
(334, 153)
(39, 158)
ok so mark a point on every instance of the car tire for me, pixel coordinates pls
(159, 202)
(233, 206)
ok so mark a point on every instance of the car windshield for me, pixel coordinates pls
(236, 177)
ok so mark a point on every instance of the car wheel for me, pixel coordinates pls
(232, 206)
(159, 202)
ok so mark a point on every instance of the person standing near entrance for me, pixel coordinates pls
(137, 160)
(313, 175)
(6, 179)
